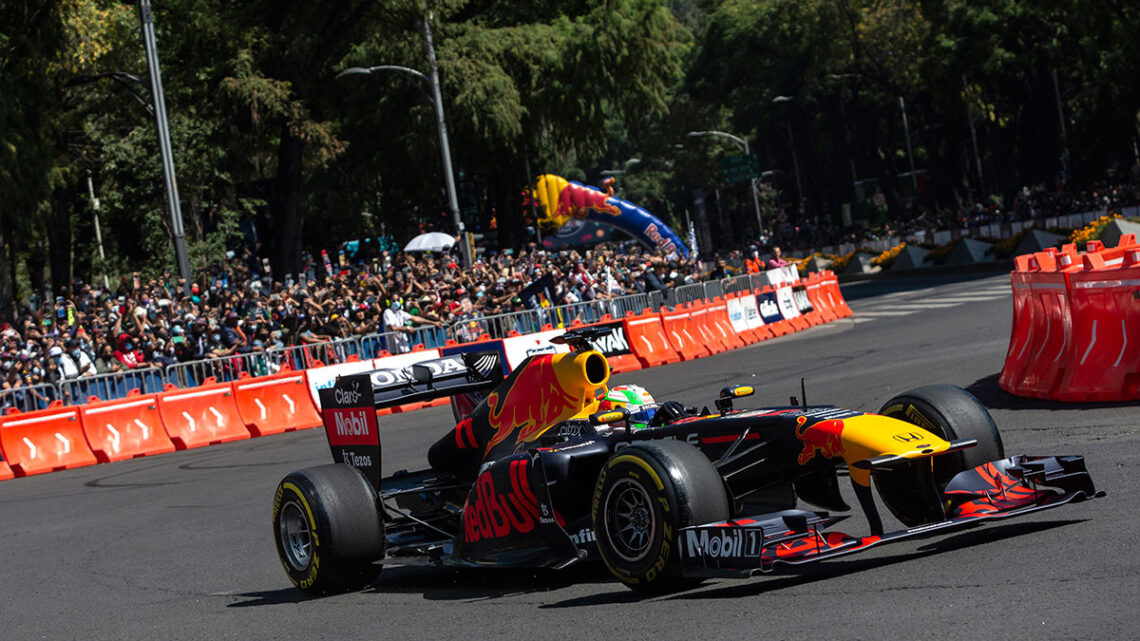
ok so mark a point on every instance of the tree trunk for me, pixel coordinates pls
(59, 241)
(7, 292)
(285, 204)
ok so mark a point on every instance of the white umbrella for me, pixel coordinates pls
(430, 242)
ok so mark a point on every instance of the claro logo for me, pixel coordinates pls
(348, 396)
(352, 423)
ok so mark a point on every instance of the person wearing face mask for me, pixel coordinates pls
(106, 363)
(128, 354)
(73, 361)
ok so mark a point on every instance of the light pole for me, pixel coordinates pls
(795, 159)
(156, 108)
(752, 181)
(158, 101)
(909, 153)
(440, 123)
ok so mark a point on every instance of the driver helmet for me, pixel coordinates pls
(634, 398)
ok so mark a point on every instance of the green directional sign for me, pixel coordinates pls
(739, 168)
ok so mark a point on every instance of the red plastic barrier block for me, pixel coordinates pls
(648, 342)
(702, 332)
(275, 404)
(721, 326)
(5, 471)
(681, 339)
(125, 428)
(201, 416)
(44, 441)
(1106, 326)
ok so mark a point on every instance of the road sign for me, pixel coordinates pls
(739, 168)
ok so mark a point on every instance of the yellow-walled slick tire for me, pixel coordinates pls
(644, 495)
(951, 413)
(327, 529)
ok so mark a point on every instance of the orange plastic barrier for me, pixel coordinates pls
(818, 299)
(1021, 332)
(701, 331)
(1105, 304)
(830, 284)
(681, 338)
(275, 404)
(44, 441)
(124, 428)
(202, 415)
(722, 327)
(1051, 349)
(5, 472)
(647, 340)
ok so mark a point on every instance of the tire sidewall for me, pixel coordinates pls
(298, 489)
(633, 463)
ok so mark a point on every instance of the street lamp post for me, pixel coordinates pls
(440, 123)
(743, 145)
(795, 158)
(159, 105)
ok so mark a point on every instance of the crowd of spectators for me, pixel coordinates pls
(233, 308)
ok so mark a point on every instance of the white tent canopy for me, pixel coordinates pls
(430, 242)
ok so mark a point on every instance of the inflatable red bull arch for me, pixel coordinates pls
(561, 200)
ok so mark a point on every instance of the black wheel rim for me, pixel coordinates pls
(630, 521)
(296, 535)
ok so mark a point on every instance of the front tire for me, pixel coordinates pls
(328, 529)
(951, 413)
(644, 495)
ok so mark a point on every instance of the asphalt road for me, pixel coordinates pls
(179, 546)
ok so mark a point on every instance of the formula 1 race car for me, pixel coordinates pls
(545, 468)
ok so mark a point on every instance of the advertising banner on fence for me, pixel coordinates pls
(752, 316)
(769, 308)
(803, 303)
(782, 275)
(615, 344)
(520, 347)
(787, 304)
(736, 314)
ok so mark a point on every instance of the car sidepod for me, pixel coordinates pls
(508, 519)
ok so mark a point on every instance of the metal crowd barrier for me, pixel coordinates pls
(29, 398)
(300, 357)
(105, 387)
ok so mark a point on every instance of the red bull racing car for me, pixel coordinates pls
(546, 468)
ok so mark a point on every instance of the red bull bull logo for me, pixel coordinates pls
(824, 437)
(535, 401)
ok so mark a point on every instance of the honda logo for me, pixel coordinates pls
(908, 437)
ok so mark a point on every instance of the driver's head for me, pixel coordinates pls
(634, 398)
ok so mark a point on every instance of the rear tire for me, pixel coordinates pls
(644, 495)
(952, 413)
(328, 529)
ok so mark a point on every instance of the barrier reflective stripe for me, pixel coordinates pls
(275, 404)
(125, 428)
(647, 340)
(44, 441)
(205, 416)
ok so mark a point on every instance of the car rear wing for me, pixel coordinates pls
(348, 408)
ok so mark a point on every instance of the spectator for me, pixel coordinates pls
(400, 322)
(776, 261)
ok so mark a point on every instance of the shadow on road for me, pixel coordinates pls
(456, 584)
(830, 569)
(995, 398)
(475, 584)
